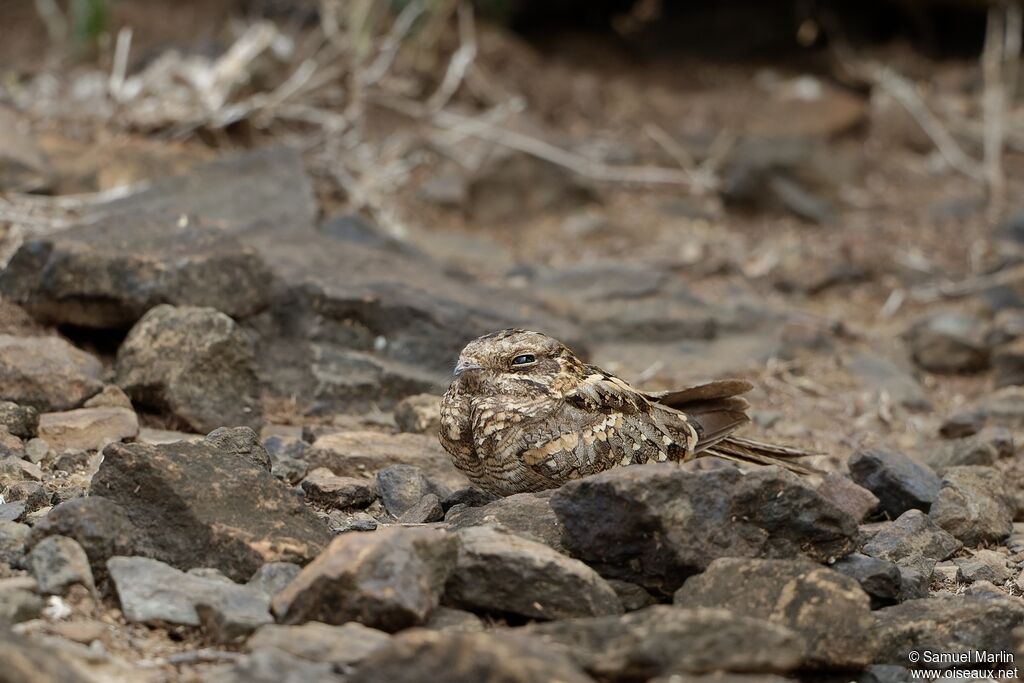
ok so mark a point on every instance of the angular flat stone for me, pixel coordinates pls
(899, 482)
(152, 592)
(341, 646)
(829, 609)
(57, 563)
(974, 505)
(193, 363)
(388, 579)
(525, 514)
(88, 429)
(947, 623)
(47, 373)
(503, 573)
(227, 512)
(656, 525)
(21, 421)
(422, 655)
(662, 639)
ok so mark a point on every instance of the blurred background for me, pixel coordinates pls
(823, 196)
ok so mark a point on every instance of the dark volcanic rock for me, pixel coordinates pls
(879, 578)
(353, 324)
(848, 496)
(428, 509)
(241, 441)
(899, 482)
(363, 453)
(503, 573)
(175, 242)
(21, 421)
(949, 342)
(525, 514)
(974, 505)
(911, 535)
(323, 487)
(401, 487)
(199, 506)
(13, 541)
(388, 579)
(100, 526)
(274, 576)
(658, 524)
(983, 448)
(661, 640)
(830, 610)
(984, 565)
(46, 373)
(194, 363)
(57, 563)
(152, 592)
(271, 665)
(422, 655)
(947, 623)
(963, 424)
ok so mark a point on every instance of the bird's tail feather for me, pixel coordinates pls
(738, 449)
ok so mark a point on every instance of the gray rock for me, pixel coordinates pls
(1008, 364)
(152, 592)
(658, 524)
(947, 623)
(364, 453)
(423, 655)
(506, 574)
(525, 514)
(12, 512)
(401, 487)
(911, 535)
(880, 579)
(828, 609)
(241, 441)
(18, 605)
(915, 544)
(10, 445)
(985, 447)
(984, 565)
(253, 518)
(974, 506)
(272, 666)
(27, 661)
(419, 414)
(662, 639)
(274, 576)
(57, 563)
(389, 579)
(340, 646)
(100, 526)
(899, 482)
(46, 373)
(852, 498)
(947, 573)
(321, 486)
(21, 421)
(450, 619)
(138, 252)
(428, 509)
(196, 364)
(88, 429)
(13, 542)
(949, 342)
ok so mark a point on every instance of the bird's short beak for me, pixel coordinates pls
(463, 366)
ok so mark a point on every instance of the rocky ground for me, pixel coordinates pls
(218, 396)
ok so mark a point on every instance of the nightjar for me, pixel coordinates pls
(523, 413)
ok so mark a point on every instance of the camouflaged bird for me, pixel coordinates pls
(523, 413)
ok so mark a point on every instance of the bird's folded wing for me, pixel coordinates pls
(710, 391)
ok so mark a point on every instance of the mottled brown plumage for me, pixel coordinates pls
(523, 413)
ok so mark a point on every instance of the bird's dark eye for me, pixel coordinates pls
(524, 359)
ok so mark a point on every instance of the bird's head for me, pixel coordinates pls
(516, 362)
